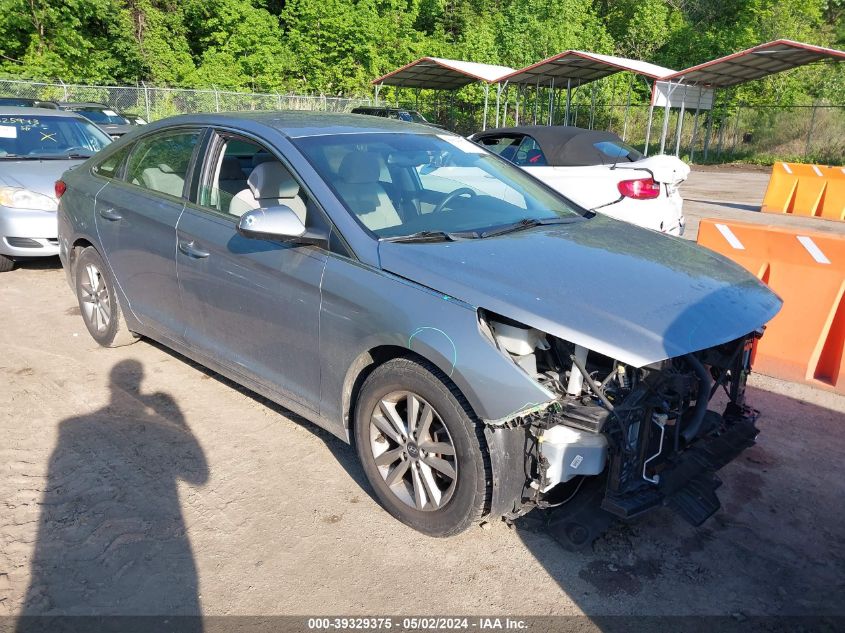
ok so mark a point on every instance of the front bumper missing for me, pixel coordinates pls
(688, 482)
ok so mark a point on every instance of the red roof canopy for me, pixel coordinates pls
(755, 63)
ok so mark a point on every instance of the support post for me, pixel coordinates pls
(536, 100)
(593, 105)
(721, 134)
(498, 97)
(378, 90)
(146, 100)
(216, 99)
(551, 100)
(486, 95)
(648, 128)
(680, 128)
(665, 130)
(694, 126)
(708, 132)
(568, 100)
(736, 129)
(627, 108)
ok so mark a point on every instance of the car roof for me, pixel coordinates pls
(298, 123)
(19, 111)
(562, 145)
(83, 104)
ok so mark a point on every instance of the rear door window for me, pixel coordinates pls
(160, 162)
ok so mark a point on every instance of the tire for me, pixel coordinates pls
(6, 264)
(413, 474)
(98, 302)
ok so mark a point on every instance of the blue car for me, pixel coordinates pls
(488, 346)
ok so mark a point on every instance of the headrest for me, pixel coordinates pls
(230, 169)
(165, 169)
(272, 180)
(360, 167)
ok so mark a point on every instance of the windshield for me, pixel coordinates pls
(103, 117)
(404, 184)
(36, 137)
(412, 116)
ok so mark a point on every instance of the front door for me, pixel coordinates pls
(136, 222)
(252, 305)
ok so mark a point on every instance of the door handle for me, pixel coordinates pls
(192, 251)
(110, 214)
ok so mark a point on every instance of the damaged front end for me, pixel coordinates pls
(618, 440)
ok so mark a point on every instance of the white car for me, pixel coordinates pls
(598, 171)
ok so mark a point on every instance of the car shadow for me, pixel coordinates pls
(111, 537)
(37, 263)
(730, 205)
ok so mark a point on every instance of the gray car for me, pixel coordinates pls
(114, 124)
(36, 147)
(488, 346)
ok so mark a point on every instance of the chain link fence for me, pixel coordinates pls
(153, 102)
(760, 134)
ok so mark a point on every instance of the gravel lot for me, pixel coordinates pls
(135, 482)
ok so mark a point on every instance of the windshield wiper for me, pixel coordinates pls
(433, 236)
(527, 223)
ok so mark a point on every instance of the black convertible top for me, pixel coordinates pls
(566, 145)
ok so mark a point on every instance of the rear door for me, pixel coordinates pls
(252, 305)
(136, 222)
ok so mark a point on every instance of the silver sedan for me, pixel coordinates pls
(36, 147)
(488, 349)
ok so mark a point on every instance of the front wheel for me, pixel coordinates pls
(98, 301)
(422, 448)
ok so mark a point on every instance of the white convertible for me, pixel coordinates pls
(598, 171)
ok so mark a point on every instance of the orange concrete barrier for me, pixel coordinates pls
(805, 341)
(810, 190)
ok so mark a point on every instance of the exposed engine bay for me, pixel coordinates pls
(629, 438)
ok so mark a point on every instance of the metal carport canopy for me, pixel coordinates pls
(582, 67)
(755, 63)
(436, 73)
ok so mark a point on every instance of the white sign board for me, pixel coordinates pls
(675, 94)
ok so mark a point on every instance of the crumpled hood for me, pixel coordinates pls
(625, 292)
(663, 168)
(36, 175)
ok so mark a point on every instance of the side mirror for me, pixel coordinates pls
(273, 223)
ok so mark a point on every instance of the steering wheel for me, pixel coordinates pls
(457, 193)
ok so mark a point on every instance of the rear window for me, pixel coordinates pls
(618, 150)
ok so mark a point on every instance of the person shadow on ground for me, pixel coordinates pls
(111, 536)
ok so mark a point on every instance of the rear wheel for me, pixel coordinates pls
(98, 301)
(422, 448)
(6, 264)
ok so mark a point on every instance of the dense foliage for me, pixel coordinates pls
(338, 46)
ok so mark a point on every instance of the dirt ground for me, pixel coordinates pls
(132, 481)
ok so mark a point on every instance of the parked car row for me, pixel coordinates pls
(488, 345)
(116, 124)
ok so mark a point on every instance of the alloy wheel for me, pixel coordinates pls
(96, 303)
(413, 451)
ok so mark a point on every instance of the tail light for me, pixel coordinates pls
(60, 188)
(641, 189)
